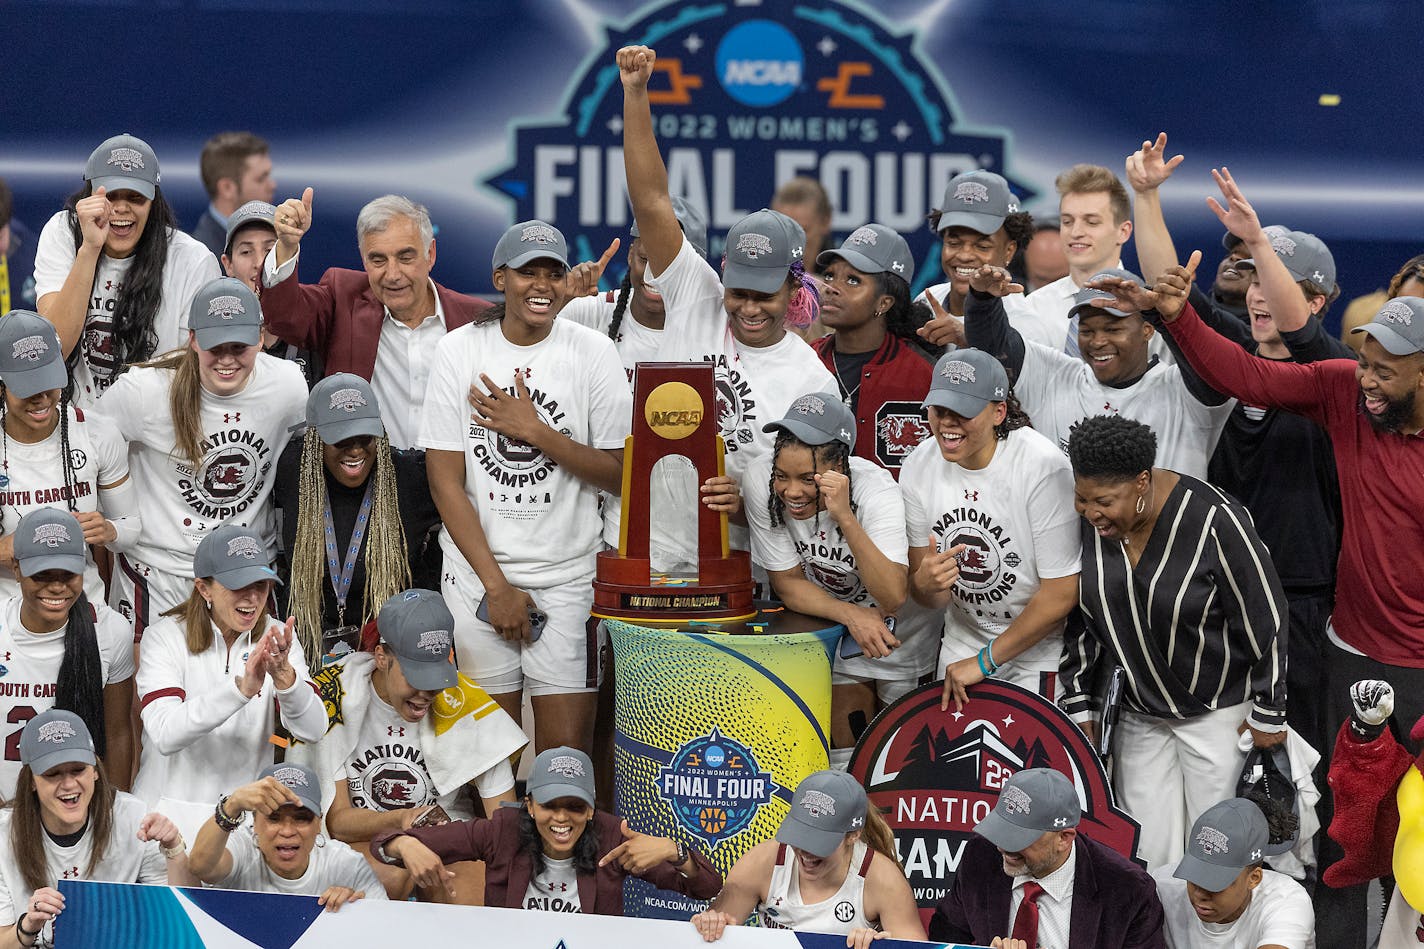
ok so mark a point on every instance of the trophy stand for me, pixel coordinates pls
(674, 413)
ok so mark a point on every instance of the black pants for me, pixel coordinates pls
(1340, 915)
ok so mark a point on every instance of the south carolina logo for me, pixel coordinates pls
(958, 372)
(899, 429)
(126, 158)
(51, 535)
(715, 787)
(226, 308)
(971, 192)
(227, 474)
(754, 245)
(1397, 313)
(1213, 841)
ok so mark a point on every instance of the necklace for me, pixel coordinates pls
(847, 393)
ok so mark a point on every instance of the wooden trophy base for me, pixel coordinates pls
(626, 590)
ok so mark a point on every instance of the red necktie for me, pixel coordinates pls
(1026, 920)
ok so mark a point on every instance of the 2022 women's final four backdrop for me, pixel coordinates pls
(494, 112)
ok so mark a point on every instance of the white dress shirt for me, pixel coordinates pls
(1055, 904)
(403, 360)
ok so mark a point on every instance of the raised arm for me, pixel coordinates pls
(1289, 309)
(299, 314)
(172, 718)
(68, 307)
(643, 163)
(1147, 169)
(986, 325)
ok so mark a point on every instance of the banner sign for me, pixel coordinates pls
(934, 774)
(161, 917)
(712, 733)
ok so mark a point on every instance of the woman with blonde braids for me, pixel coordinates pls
(208, 459)
(341, 489)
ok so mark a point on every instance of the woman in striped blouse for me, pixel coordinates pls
(1177, 589)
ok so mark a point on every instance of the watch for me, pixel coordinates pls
(681, 857)
(226, 824)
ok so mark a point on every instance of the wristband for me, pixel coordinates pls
(21, 932)
(681, 857)
(989, 655)
(177, 850)
(979, 658)
(226, 824)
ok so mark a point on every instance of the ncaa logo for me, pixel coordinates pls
(714, 786)
(760, 63)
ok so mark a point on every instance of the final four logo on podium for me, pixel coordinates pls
(714, 786)
(745, 96)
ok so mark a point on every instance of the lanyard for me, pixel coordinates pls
(341, 573)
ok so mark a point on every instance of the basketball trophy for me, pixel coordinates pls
(674, 413)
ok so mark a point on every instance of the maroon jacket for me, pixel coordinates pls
(889, 422)
(340, 318)
(508, 867)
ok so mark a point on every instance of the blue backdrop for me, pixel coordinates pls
(488, 112)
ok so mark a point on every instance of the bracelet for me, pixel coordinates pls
(979, 658)
(226, 824)
(681, 857)
(21, 932)
(175, 851)
(989, 654)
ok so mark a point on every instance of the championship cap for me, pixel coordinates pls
(55, 737)
(253, 212)
(121, 163)
(561, 772)
(1226, 839)
(817, 419)
(234, 556)
(692, 221)
(827, 805)
(761, 248)
(965, 381)
(50, 538)
(300, 780)
(979, 200)
(225, 310)
(530, 240)
(874, 248)
(1306, 257)
(1083, 299)
(1032, 803)
(342, 406)
(417, 626)
(1398, 326)
(31, 360)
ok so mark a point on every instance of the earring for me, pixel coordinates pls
(208, 603)
(1141, 503)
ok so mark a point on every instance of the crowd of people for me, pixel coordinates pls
(217, 492)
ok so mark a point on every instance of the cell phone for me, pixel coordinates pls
(850, 648)
(537, 618)
(434, 816)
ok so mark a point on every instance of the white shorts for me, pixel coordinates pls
(143, 593)
(1034, 676)
(886, 690)
(566, 658)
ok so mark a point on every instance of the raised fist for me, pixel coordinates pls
(1373, 700)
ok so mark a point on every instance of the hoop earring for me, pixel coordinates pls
(1141, 503)
(320, 840)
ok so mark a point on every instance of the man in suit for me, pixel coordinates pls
(383, 324)
(236, 168)
(1029, 880)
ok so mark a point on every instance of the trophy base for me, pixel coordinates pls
(625, 589)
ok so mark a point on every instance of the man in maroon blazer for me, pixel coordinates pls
(1030, 880)
(383, 324)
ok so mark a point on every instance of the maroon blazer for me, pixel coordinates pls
(1115, 903)
(340, 318)
(508, 867)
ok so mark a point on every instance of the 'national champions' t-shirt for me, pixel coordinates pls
(555, 890)
(541, 522)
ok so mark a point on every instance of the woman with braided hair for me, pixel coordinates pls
(52, 455)
(829, 529)
(352, 511)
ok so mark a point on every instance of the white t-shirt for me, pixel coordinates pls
(1016, 519)
(387, 770)
(190, 265)
(556, 889)
(331, 864)
(244, 435)
(126, 859)
(31, 664)
(541, 522)
(1279, 914)
(635, 342)
(33, 476)
(1058, 390)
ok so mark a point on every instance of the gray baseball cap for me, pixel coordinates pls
(121, 163)
(693, 222)
(1398, 326)
(253, 212)
(417, 626)
(1225, 840)
(300, 780)
(234, 556)
(965, 381)
(761, 248)
(817, 419)
(49, 538)
(1033, 803)
(225, 310)
(979, 200)
(827, 805)
(1083, 299)
(873, 248)
(1306, 257)
(561, 772)
(55, 737)
(342, 406)
(530, 240)
(31, 360)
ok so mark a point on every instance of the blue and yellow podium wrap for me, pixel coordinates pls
(712, 734)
